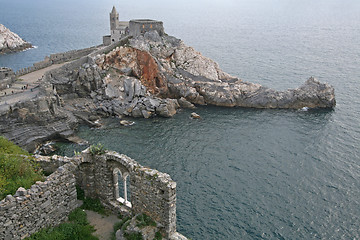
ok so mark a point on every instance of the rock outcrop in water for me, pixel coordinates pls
(148, 76)
(190, 75)
(11, 42)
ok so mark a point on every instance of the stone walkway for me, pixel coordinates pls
(16, 94)
(103, 224)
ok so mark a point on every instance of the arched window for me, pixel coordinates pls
(121, 186)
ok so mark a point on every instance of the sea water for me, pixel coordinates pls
(240, 173)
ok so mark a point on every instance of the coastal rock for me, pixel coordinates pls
(170, 69)
(188, 59)
(143, 66)
(11, 42)
(199, 80)
(126, 123)
(45, 149)
(167, 108)
(195, 115)
(185, 103)
(34, 122)
(151, 76)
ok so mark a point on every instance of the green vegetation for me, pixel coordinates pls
(158, 236)
(120, 225)
(77, 228)
(80, 193)
(17, 168)
(97, 149)
(93, 204)
(144, 220)
(133, 236)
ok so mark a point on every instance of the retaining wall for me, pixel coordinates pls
(70, 55)
(46, 203)
(56, 58)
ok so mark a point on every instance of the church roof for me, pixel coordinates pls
(113, 10)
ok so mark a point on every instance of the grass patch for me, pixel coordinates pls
(133, 236)
(97, 149)
(93, 204)
(78, 216)
(17, 168)
(77, 228)
(120, 225)
(80, 193)
(158, 236)
(144, 220)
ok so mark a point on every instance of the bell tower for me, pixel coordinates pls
(114, 19)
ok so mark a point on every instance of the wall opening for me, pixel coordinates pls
(122, 187)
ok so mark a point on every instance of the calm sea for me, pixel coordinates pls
(241, 173)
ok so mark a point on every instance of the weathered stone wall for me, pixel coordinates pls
(152, 192)
(51, 164)
(56, 58)
(36, 66)
(7, 77)
(110, 47)
(46, 203)
(141, 26)
(107, 40)
(71, 55)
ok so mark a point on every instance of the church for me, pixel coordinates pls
(120, 29)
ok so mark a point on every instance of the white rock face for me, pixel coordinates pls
(10, 41)
(192, 61)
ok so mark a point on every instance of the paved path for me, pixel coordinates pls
(104, 225)
(17, 92)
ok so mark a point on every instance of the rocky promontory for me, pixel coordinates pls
(145, 76)
(11, 42)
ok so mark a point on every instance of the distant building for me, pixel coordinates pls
(141, 26)
(120, 29)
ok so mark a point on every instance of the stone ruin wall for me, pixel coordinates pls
(55, 59)
(7, 77)
(152, 192)
(46, 203)
(69, 56)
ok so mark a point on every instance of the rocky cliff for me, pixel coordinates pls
(11, 42)
(145, 77)
(182, 72)
(30, 123)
